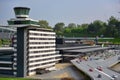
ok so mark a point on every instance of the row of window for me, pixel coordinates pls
(41, 55)
(41, 47)
(44, 30)
(6, 65)
(32, 38)
(38, 34)
(41, 42)
(34, 61)
(41, 64)
(34, 70)
(44, 51)
(21, 11)
(22, 22)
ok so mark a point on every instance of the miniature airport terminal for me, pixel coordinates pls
(35, 52)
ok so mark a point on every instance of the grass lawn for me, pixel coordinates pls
(15, 79)
(113, 41)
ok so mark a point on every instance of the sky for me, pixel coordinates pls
(67, 11)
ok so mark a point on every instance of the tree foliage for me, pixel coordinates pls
(97, 27)
(59, 28)
(111, 28)
(72, 25)
(44, 24)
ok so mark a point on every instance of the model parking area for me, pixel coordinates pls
(97, 65)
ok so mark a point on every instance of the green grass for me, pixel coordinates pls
(113, 41)
(15, 79)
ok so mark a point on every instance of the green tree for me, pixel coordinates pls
(91, 28)
(59, 28)
(97, 28)
(67, 30)
(113, 27)
(72, 25)
(44, 24)
(84, 28)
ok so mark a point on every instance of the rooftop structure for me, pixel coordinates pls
(21, 12)
(22, 18)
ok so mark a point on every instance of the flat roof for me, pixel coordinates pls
(77, 47)
(7, 28)
(87, 50)
(21, 8)
(6, 50)
(67, 55)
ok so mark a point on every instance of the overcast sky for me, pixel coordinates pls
(67, 11)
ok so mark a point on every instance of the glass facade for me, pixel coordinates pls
(22, 22)
(21, 11)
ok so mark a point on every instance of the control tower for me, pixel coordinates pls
(21, 12)
(22, 18)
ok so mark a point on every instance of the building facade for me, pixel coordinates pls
(34, 47)
(6, 61)
(35, 50)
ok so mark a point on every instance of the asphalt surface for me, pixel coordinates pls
(71, 70)
(106, 73)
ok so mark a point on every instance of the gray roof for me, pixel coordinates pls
(77, 47)
(87, 50)
(7, 28)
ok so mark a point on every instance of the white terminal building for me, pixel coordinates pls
(35, 47)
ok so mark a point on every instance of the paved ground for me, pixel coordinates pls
(105, 73)
(69, 71)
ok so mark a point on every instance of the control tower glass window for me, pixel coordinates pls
(21, 11)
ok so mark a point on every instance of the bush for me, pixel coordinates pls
(5, 42)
